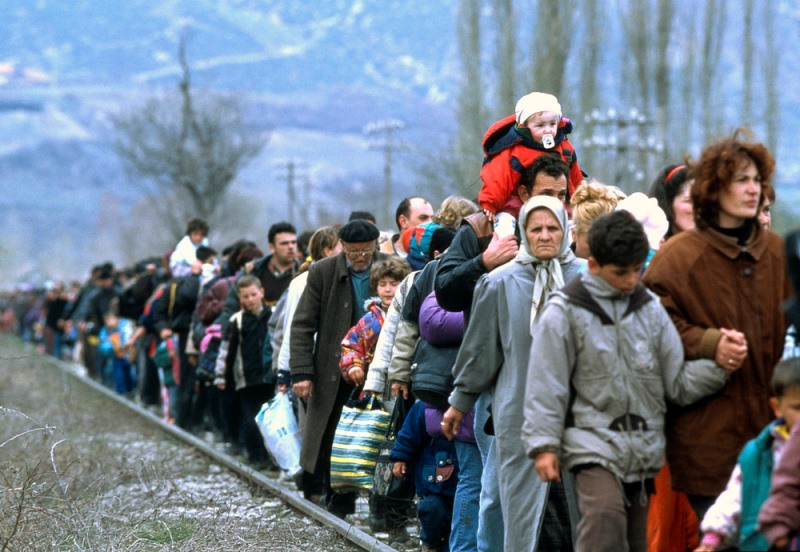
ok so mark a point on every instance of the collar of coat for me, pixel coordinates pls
(755, 245)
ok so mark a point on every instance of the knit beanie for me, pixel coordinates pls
(536, 102)
(417, 241)
(649, 214)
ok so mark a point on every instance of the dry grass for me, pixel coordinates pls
(78, 472)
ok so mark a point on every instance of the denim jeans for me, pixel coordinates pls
(490, 516)
(435, 513)
(464, 530)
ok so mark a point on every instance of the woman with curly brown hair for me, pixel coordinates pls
(723, 284)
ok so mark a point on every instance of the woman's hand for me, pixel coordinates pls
(731, 350)
(451, 421)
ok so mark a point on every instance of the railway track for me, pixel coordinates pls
(349, 532)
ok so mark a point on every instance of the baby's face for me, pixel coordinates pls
(542, 123)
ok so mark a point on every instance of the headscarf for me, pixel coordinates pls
(548, 276)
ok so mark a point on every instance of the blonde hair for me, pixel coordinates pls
(453, 210)
(590, 200)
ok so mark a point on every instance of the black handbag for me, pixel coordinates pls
(385, 483)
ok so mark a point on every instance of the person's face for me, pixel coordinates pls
(284, 247)
(420, 212)
(787, 406)
(251, 298)
(683, 210)
(197, 236)
(546, 185)
(359, 254)
(581, 242)
(621, 278)
(738, 200)
(544, 234)
(386, 289)
(765, 214)
(542, 123)
(111, 321)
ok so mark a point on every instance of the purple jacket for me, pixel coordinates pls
(433, 424)
(438, 326)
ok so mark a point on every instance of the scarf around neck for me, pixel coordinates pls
(548, 276)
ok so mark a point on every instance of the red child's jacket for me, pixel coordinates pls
(507, 154)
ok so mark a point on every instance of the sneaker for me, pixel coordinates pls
(425, 548)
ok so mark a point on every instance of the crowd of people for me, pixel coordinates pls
(582, 369)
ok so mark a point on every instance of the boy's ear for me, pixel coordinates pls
(775, 405)
(594, 266)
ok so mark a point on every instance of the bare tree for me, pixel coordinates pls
(505, 27)
(454, 168)
(713, 32)
(187, 148)
(770, 64)
(550, 47)
(747, 64)
(588, 97)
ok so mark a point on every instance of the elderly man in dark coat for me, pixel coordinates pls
(331, 304)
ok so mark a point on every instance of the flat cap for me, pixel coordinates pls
(358, 230)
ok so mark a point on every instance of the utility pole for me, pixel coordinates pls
(289, 170)
(388, 146)
(630, 138)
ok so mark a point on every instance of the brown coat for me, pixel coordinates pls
(326, 310)
(707, 282)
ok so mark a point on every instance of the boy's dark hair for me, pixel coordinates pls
(278, 228)
(197, 225)
(786, 376)
(441, 239)
(549, 164)
(618, 238)
(363, 215)
(393, 267)
(248, 280)
(204, 253)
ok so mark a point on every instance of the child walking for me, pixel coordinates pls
(115, 344)
(241, 355)
(732, 521)
(422, 444)
(511, 144)
(604, 356)
(358, 346)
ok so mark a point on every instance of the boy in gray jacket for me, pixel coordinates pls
(604, 357)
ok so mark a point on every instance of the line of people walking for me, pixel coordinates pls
(582, 369)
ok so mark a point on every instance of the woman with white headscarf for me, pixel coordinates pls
(494, 356)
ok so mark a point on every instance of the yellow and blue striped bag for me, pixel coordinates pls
(361, 429)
